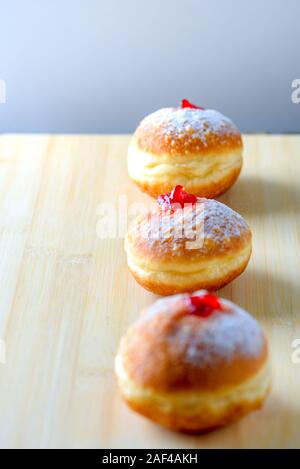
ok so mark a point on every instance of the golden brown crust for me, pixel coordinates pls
(200, 188)
(186, 132)
(198, 149)
(205, 421)
(154, 236)
(191, 372)
(170, 350)
(165, 258)
(159, 288)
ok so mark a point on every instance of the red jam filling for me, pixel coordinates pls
(205, 305)
(177, 196)
(186, 104)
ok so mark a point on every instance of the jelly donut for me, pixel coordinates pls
(198, 148)
(186, 243)
(193, 363)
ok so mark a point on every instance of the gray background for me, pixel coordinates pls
(100, 66)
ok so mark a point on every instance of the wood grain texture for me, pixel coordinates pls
(67, 297)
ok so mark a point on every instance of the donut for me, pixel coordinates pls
(185, 243)
(193, 363)
(198, 148)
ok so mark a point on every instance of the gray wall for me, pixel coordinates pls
(100, 66)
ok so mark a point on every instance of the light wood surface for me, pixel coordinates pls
(67, 297)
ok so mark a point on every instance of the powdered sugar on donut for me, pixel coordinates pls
(217, 337)
(194, 123)
(225, 334)
(221, 223)
(199, 227)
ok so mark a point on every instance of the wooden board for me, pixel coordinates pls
(67, 297)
